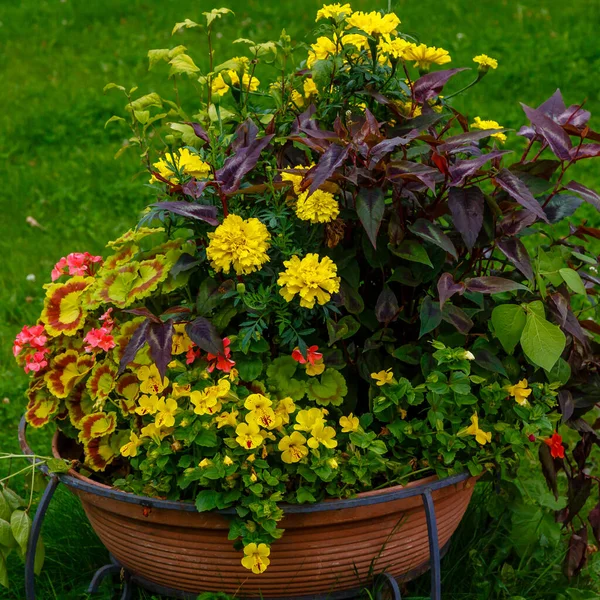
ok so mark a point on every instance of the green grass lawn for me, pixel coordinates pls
(57, 167)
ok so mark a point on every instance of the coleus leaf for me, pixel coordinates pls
(553, 133)
(160, 339)
(199, 212)
(331, 160)
(493, 285)
(447, 287)
(205, 335)
(138, 339)
(465, 168)
(516, 252)
(430, 232)
(520, 192)
(370, 206)
(430, 85)
(466, 207)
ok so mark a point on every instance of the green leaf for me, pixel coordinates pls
(330, 388)
(14, 500)
(412, 250)
(20, 525)
(304, 495)
(113, 86)
(157, 55)
(541, 341)
(508, 321)
(207, 500)
(3, 571)
(187, 24)
(5, 508)
(7, 539)
(57, 465)
(430, 314)
(573, 280)
(249, 367)
(216, 13)
(113, 119)
(182, 63)
(345, 328)
(144, 102)
(206, 438)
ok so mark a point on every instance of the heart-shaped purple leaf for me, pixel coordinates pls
(205, 335)
(466, 207)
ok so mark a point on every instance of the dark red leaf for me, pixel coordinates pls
(582, 450)
(370, 206)
(160, 339)
(520, 192)
(447, 287)
(493, 285)
(548, 468)
(458, 317)
(386, 307)
(199, 212)
(560, 307)
(430, 85)
(466, 206)
(194, 188)
(552, 132)
(245, 134)
(579, 491)
(331, 160)
(516, 252)
(199, 131)
(567, 406)
(576, 556)
(205, 335)
(387, 146)
(441, 162)
(143, 312)
(594, 519)
(465, 168)
(585, 151)
(456, 141)
(586, 193)
(517, 220)
(431, 233)
(554, 106)
(138, 339)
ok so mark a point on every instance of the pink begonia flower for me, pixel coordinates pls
(35, 361)
(34, 336)
(76, 263)
(99, 338)
(106, 318)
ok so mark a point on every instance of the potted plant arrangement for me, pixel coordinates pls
(344, 286)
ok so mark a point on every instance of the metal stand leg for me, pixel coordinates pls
(386, 583)
(434, 548)
(100, 575)
(36, 528)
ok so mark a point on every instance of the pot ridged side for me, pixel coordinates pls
(319, 553)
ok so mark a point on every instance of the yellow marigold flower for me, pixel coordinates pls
(131, 447)
(424, 56)
(248, 435)
(147, 405)
(315, 368)
(181, 342)
(481, 124)
(151, 383)
(319, 207)
(373, 23)
(310, 87)
(260, 411)
(323, 48)
(322, 435)
(359, 41)
(306, 420)
(256, 558)
(239, 244)
(482, 437)
(383, 377)
(332, 11)
(227, 418)
(220, 87)
(293, 448)
(392, 48)
(312, 280)
(183, 161)
(154, 432)
(409, 108)
(485, 62)
(227, 461)
(165, 412)
(520, 391)
(296, 179)
(349, 423)
(204, 463)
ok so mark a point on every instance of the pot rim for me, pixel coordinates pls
(77, 481)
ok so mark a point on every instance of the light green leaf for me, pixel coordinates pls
(216, 13)
(187, 24)
(330, 388)
(508, 321)
(7, 539)
(113, 86)
(141, 116)
(182, 63)
(3, 572)
(14, 500)
(144, 102)
(412, 250)
(585, 258)
(155, 56)
(20, 525)
(113, 119)
(541, 341)
(5, 508)
(573, 280)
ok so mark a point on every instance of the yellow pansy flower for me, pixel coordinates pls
(260, 411)
(520, 391)
(322, 435)
(482, 437)
(349, 423)
(227, 418)
(256, 557)
(248, 435)
(306, 420)
(383, 377)
(151, 382)
(293, 448)
(147, 405)
(131, 447)
(165, 412)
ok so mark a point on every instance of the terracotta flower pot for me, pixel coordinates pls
(321, 551)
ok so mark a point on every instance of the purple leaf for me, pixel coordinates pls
(560, 307)
(430, 315)
(567, 406)
(465, 168)
(320, 134)
(380, 150)
(143, 312)
(594, 519)
(516, 252)
(562, 206)
(457, 317)
(430, 85)
(370, 207)
(520, 192)
(138, 339)
(305, 120)
(205, 335)
(447, 287)
(431, 233)
(554, 134)
(578, 493)
(199, 131)
(493, 285)
(554, 106)
(586, 193)
(517, 220)
(585, 151)
(199, 212)
(548, 468)
(574, 115)
(386, 307)
(466, 206)
(245, 134)
(332, 158)
(194, 188)
(456, 141)
(160, 337)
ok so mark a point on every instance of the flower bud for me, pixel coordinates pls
(333, 463)
(531, 437)
(468, 355)
(204, 463)
(227, 461)
(241, 288)
(176, 446)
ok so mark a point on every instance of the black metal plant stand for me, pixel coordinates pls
(385, 586)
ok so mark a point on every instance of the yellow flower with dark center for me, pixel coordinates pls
(284, 409)
(482, 437)
(383, 377)
(156, 433)
(227, 419)
(306, 420)
(315, 368)
(349, 423)
(248, 435)
(260, 411)
(520, 391)
(181, 342)
(322, 435)
(180, 390)
(151, 382)
(131, 447)
(485, 62)
(373, 23)
(313, 280)
(319, 207)
(239, 244)
(183, 161)
(481, 124)
(256, 558)
(147, 405)
(424, 56)
(323, 48)
(293, 448)
(165, 412)
(332, 11)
